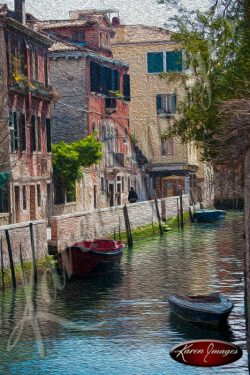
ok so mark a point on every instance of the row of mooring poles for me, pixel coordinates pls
(11, 259)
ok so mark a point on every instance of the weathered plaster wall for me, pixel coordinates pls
(86, 225)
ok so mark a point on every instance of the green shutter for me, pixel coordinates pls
(155, 62)
(94, 77)
(126, 87)
(174, 61)
(105, 79)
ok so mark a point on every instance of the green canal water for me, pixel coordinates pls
(120, 324)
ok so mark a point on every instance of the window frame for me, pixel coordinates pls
(164, 104)
(164, 54)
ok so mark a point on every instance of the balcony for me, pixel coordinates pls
(36, 88)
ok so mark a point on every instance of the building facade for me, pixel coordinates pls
(25, 120)
(151, 52)
(94, 98)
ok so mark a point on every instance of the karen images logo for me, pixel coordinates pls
(206, 353)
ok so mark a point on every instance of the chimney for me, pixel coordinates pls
(20, 14)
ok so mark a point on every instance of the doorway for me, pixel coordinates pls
(111, 195)
(17, 204)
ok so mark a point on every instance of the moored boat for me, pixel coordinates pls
(212, 309)
(206, 215)
(85, 257)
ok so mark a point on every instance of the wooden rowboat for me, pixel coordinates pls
(86, 257)
(206, 215)
(212, 309)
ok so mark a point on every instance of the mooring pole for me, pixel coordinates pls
(12, 268)
(127, 224)
(33, 251)
(181, 210)
(2, 263)
(120, 229)
(158, 213)
(178, 213)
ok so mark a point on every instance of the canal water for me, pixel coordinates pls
(121, 324)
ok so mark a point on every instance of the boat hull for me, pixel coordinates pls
(206, 216)
(81, 264)
(201, 313)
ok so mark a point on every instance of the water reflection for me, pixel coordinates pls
(125, 321)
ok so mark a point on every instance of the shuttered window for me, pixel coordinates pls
(94, 77)
(155, 62)
(174, 61)
(22, 132)
(103, 79)
(48, 134)
(126, 87)
(33, 134)
(13, 131)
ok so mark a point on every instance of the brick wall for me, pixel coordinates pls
(20, 234)
(86, 225)
(69, 118)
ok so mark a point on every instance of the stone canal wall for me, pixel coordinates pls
(67, 229)
(20, 235)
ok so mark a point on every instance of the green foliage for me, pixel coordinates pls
(69, 158)
(218, 54)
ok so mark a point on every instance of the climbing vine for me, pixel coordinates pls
(70, 158)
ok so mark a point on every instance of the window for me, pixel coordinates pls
(158, 62)
(38, 127)
(4, 199)
(33, 134)
(103, 185)
(62, 195)
(48, 134)
(24, 198)
(78, 36)
(22, 132)
(107, 39)
(38, 192)
(103, 79)
(126, 87)
(166, 104)
(13, 131)
(167, 147)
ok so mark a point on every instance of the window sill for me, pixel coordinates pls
(166, 115)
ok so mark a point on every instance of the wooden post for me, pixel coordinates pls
(33, 251)
(181, 210)
(158, 213)
(120, 237)
(2, 263)
(127, 223)
(21, 261)
(178, 213)
(12, 268)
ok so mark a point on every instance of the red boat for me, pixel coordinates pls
(85, 257)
